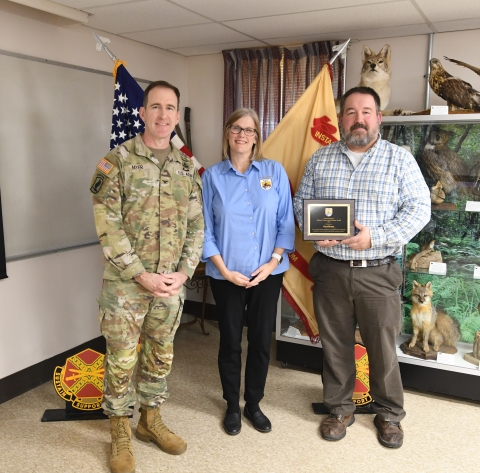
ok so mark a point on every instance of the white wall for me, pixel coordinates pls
(48, 303)
(48, 306)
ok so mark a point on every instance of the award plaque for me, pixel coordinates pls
(328, 219)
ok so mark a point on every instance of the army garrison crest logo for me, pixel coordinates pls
(80, 381)
(361, 392)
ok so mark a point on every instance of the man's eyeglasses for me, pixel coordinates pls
(236, 130)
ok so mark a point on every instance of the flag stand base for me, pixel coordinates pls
(70, 413)
(319, 408)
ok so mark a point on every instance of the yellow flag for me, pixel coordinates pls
(310, 124)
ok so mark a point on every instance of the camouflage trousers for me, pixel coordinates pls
(129, 312)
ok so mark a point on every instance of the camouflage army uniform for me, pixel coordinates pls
(148, 218)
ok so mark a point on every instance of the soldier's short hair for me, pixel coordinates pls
(360, 90)
(165, 85)
(257, 154)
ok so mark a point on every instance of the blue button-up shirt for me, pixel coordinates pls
(247, 216)
(391, 196)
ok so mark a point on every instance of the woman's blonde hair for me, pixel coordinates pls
(257, 154)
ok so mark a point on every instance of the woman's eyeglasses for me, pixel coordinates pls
(236, 130)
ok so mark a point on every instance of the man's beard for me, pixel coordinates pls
(360, 140)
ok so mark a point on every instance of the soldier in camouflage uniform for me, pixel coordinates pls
(148, 215)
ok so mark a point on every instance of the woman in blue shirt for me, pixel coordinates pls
(249, 226)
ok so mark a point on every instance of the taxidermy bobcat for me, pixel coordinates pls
(433, 326)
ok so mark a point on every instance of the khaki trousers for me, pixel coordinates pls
(344, 297)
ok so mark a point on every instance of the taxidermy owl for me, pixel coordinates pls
(442, 164)
(457, 93)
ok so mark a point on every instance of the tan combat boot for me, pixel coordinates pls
(121, 459)
(152, 429)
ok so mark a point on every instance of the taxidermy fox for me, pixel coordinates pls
(376, 73)
(433, 326)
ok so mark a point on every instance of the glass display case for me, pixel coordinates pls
(442, 261)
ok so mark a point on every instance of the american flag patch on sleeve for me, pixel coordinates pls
(105, 166)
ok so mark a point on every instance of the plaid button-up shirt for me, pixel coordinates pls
(391, 196)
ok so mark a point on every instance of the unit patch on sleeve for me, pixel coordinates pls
(97, 184)
(105, 166)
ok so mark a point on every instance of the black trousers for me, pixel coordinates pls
(344, 296)
(261, 309)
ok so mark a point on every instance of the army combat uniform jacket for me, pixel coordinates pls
(148, 217)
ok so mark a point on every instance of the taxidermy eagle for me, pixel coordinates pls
(457, 93)
(444, 165)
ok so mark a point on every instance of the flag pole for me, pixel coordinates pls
(104, 46)
(343, 46)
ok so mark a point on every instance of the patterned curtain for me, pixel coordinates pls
(252, 79)
(300, 67)
(270, 80)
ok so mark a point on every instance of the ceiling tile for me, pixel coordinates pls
(217, 48)
(388, 15)
(141, 16)
(222, 10)
(185, 36)
(341, 36)
(457, 25)
(81, 4)
(443, 10)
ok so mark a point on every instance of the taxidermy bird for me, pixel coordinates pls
(464, 64)
(437, 194)
(442, 164)
(457, 93)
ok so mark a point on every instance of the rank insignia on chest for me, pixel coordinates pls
(266, 183)
(105, 166)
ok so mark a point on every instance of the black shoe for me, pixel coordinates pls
(259, 420)
(232, 424)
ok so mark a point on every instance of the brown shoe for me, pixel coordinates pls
(151, 428)
(390, 434)
(334, 427)
(121, 458)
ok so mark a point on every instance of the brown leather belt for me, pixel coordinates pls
(364, 263)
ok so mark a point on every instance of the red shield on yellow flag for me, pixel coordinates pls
(80, 381)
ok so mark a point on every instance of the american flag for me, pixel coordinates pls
(126, 121)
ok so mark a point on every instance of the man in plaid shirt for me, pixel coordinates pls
(356, 280)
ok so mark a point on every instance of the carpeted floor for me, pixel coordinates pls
(442, 435)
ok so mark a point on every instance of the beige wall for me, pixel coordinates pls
(205, 94)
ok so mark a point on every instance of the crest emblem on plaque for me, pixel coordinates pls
(80, 381)
(328, 212)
